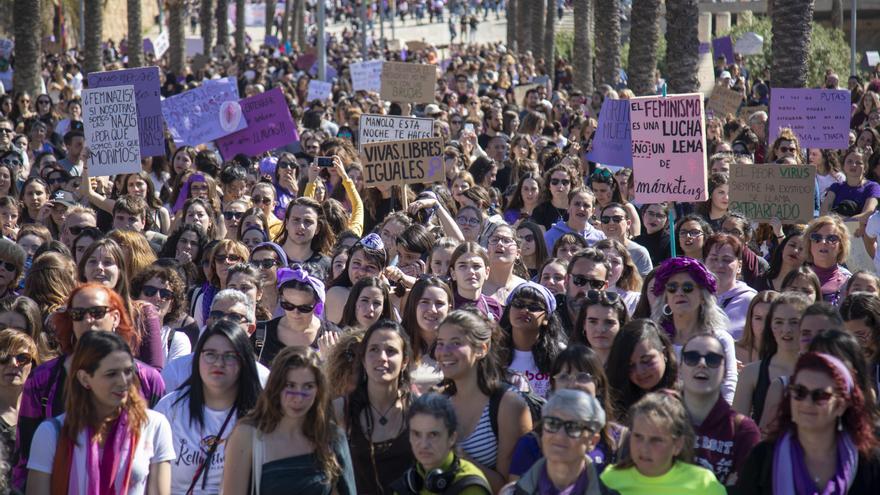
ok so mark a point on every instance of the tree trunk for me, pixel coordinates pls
(94, 56)
(223, 26)
(511, 24)
(270, 17)
(682, 46)
(28, 55)
(240, 38)
(582, 52)
(550, 39)
(537, 26)
(792, 28)
(837, 14)
(643, 46)
(523, 27)
(300, 24)
(176, 36)
(285, 23)
(206, 19)
(608, 42)
(135, 42)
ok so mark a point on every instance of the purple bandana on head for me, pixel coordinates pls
(372, 241)
(184, 191)
(692, 267)
(549, 298)
(296, 272)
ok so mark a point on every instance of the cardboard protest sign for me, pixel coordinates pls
(366, 76)
(819, 117)
(669, 148)
(723, 46)
(745, 112)
(519, 92)
(204, 114)
(416, 45)
(6, 48)
(110, 122)
(146, 85)
(612, 142)
(724, 101)
(764, 191)
(270, 126)
(319, 90)
(384, 128)
(403, 162)
(394, 45)
(408, 83)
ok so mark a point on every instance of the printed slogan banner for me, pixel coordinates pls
(612, 142)
(270, 126)
(818, 117)
(384, 128)
(149, 107)
(403, 162)
(766, 191)
(668, 148)
(110, 122)
(204, 114)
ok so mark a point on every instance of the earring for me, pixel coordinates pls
(840, 423)
(667, 310)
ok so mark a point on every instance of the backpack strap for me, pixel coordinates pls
(260, 338)
(170, 339)
(495, 406)
(468, 481)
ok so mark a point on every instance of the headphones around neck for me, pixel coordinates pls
(435, 481)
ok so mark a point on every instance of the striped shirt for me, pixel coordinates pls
(481, 445)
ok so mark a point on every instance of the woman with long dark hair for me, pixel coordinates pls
(788, 255)
(366, 258)
(368, 302)
(533, 249)
(428, 303)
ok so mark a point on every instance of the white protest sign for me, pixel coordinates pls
(872, 58)
(384, 128)
(6, 47)
(161, 44)
(319, 90)
(749, 44)
(366, 76)
(858, 258)
(110, 122)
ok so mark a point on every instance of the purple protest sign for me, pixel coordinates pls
(818, 117)
(270, 126)
(204, 114)
(723, 46)
(146, 86)
(612, 142)
(271, 41)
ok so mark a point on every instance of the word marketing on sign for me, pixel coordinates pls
(403, 162)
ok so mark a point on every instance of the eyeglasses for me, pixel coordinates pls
(299, 308)
(264, 264)
(655, 214)
(606, 219)
(692, 358)
(262, 199)
(787, 149)
(556, 182)
(530, 307)
(44, 102)
(602, 296)
(229, 215)
(691, 234)
(9, 267)
(96, 312)
(818, 396)
(233, 317)
(212, 357)
(733, 232)
(285, 165)
(819, 238)
(504, 241)
(473, 222)
(227, 258)
(574, 429)
(151, 291)
(580, 281)
(21, 359)
(686, 287)
(580, 377)
(56, 180)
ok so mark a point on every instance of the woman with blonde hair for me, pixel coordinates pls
(18, 356)
(826, 249)
(624, 278)
(138, 253)
(50, 280)
(289, 441)
(218, 260)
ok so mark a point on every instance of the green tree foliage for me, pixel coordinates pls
(828, 49)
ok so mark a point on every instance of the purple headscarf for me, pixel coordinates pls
(692, 267)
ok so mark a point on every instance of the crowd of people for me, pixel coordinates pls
(263, 324)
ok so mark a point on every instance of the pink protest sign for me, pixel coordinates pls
(818, 117)
(270, 126)
(669, 148)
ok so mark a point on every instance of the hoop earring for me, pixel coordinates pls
(667, 311)
(840, 423)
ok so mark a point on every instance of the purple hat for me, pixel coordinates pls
(694, 268)
(282, 256)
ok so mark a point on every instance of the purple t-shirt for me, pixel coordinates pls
(842, 192)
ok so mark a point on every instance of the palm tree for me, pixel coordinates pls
(239, 28)
(176, 36)
(836, 14)
(582, 52)
(523, 27)
(285, 23)
(300, 24)
(28, 55)
(682, 46)
(223, 26)
(550, 39)
(607, 41)
(206, 19)
(270, 16)
(643, 46)
(94, 18)
(537, 26)
(792, 29)
(511, 23)
(135, 44)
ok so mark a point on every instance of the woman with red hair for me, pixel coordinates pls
(90, 307)
(823, 441)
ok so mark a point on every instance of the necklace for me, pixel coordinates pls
(383, 420)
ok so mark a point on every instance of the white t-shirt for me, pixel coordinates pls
(180, 345)
(524, 362)
(176, 373)
(154, 446)
(191, 444)
(872, 229)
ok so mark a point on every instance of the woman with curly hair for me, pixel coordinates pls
(163, 287)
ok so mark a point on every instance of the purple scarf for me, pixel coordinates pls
(118, 447)
(790, 474)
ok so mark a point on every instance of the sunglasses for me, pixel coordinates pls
(151, 291)
(229, 215)
(556, 182)
(76, 230)
(9, 267)
(285, 165)
(606, 219)
(692, 358)
(299, 308)
(530, 307)
(818, 396)
(574, 429)
(579, 377)
(264, 264)
(233, 317)
(602, 296)
(262, 199)
(580, 281)
(21, 359)
(227, 258)
(786, 149)
(819, 238)
(96, 312)
(5, 130)
(687, 287)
